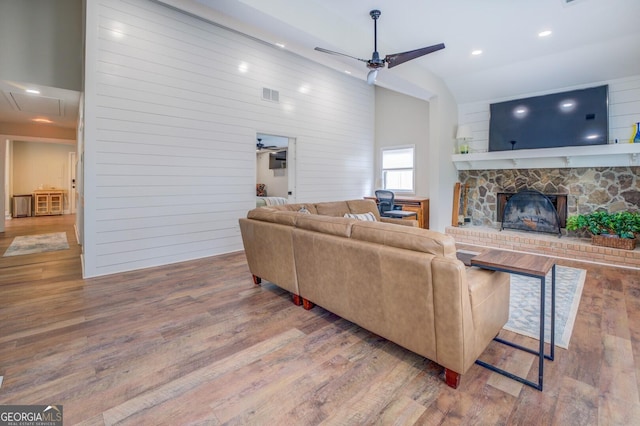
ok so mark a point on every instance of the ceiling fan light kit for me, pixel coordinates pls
(375, 63)
(371, 77)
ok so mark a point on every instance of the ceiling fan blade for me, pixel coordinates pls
(401, 58)
(331, 52)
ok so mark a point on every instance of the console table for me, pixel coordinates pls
(529, 265)
(420, 205)
(48, 202)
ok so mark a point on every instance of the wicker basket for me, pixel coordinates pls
(613, 241)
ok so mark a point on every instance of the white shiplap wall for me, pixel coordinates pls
(172, 108)
(624, 111)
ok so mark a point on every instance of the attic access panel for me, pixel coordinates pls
(37, 104)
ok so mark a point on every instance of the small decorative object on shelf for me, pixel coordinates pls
(464, 136)
(616, 230)
(636, 136)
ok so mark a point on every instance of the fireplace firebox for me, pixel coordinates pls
(530, 210)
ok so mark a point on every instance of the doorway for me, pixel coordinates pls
(275, 166)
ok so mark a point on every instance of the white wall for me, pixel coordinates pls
(42, 42)
(170, 125)
(624, 111)
(276, 181)
(403, 120)
(39, 164)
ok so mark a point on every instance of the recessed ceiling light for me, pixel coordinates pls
(42, 120)
(476, 52)
(33, 91)
(347, 72)
(544, 33)
(280, 45)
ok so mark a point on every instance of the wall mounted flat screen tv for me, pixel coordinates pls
(574, 118)
(278, 160)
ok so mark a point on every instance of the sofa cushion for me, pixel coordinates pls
(334, 208)
(405, 237)
(339, 226)
(368, 216)
(295, 207)
(364, 206)
(270, 215)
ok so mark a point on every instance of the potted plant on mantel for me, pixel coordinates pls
(617, 230)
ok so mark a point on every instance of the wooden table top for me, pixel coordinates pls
(403, 198)
(525, 263)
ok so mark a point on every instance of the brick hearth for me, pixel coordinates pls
(566, 247)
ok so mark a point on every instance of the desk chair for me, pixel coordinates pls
(387, 208)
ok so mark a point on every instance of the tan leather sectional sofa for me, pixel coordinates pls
(401, 282)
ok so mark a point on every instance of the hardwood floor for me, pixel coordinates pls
(198, 343)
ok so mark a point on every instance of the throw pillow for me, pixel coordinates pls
(368, 217)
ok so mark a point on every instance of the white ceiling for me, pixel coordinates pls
(592, 40)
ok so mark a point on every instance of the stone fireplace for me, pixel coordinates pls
(587, 189)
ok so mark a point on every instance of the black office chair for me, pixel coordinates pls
(387, 208)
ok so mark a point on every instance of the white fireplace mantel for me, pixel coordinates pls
(614, 155)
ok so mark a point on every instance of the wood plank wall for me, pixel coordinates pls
(624, 111)
(173, 104)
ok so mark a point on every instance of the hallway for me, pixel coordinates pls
(30, 267)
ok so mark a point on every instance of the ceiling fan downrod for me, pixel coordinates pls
(375, 61)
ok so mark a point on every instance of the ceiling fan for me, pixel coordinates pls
(375, 63)
(267, 148)
(260, 146)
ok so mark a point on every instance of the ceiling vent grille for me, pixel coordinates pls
(270, 95)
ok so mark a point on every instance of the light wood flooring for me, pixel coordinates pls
(198, 343)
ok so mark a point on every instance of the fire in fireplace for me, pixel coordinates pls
(530, 210)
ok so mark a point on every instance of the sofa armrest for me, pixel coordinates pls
(471, 306)
(405, 222)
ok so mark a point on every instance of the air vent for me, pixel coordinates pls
(270, 95)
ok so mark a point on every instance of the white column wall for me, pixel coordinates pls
(172, 107)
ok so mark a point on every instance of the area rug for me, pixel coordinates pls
(30, 244)
(524, 305)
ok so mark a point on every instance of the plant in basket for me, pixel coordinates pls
(608, 229)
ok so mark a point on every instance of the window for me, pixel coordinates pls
(397, 169)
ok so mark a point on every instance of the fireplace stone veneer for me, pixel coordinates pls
(588, 189)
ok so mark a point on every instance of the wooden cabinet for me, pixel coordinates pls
(48, 202)
(420, 205)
